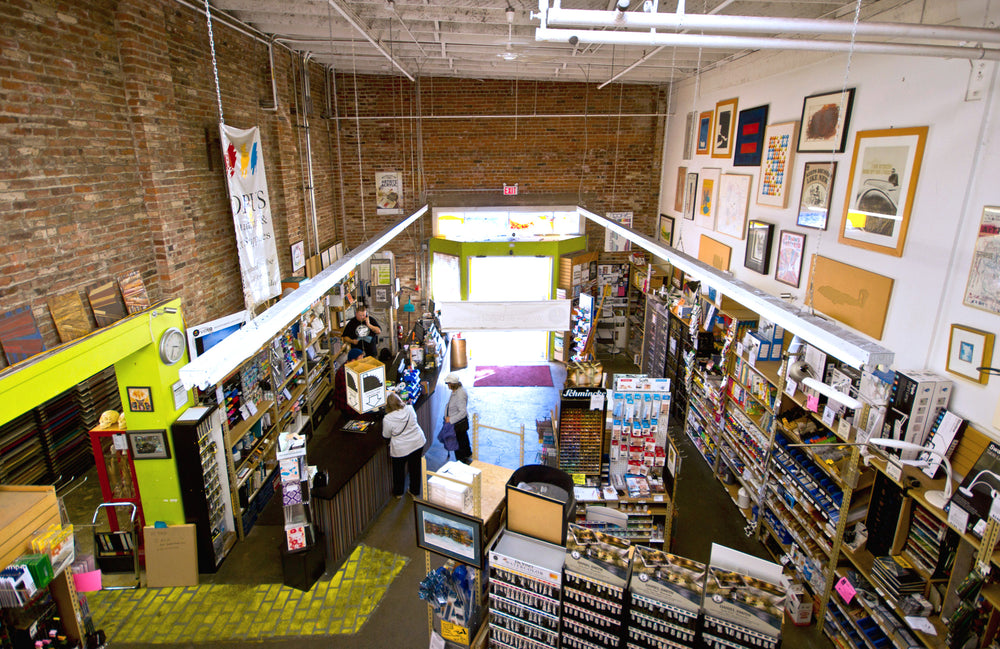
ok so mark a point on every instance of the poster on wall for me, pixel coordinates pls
(389, 192)
(251, 206)
(983, 287)
(614, 242)
(776, 165)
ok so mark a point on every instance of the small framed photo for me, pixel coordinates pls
(788, 268)
(679, 191)
(814, 204)
(666, 232)
(140, 399)
(705, 132)
(449, 533)
(758, 255)
(149, 444)
(968, 350)
(298, 255)
(825, 119)
(690, 195)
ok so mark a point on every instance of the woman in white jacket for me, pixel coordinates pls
(406, 443)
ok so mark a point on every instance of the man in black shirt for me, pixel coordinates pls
(362, 331)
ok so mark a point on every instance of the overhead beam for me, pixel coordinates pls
(350, 17)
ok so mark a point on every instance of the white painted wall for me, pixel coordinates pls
(960, 174)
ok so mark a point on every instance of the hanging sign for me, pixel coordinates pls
(614, 242)
(389, 192)
(251, 206)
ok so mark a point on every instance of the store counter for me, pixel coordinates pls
(358, 487)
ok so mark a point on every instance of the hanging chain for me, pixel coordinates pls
(215, 63)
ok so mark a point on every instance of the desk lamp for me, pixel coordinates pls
(937, 498)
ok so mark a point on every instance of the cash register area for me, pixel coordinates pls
(370, 599)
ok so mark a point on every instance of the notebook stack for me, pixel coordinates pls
(894, 577)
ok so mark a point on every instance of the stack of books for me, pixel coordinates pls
(894, 577)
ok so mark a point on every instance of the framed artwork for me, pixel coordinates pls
(449, 533)
(105, 304)
(714, 253)
(666, 232)
(298, 255)
(825, 119)
(149, 444)
(776, 164)
(19, 335)
(705, 132)
(725, 123)
(690, 191)
(679, 191)
(734, 199)
(969, 350)
(708, 196)
(814, 204)
(788, 267)
(880, 190)
(133, 291)
(690, 134)
(984, 275)
(750, 137)
(325, 258)
(758, 254)
(140, 399)
(857, 297)
(69, 316)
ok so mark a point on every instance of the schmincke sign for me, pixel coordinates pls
(581, 393)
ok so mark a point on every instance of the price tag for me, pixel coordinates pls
(658, 499)
(958, 518)
(790, 387)
(252, 407)
(597, 401)
(894, 470)
(845, 590)
(454, 632)
(828, 416)
(120, 442)
(812, 402)
(244, 411)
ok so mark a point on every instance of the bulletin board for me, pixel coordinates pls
(856, 297)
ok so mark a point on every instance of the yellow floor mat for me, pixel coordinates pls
(208, 612)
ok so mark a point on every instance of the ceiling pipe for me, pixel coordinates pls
(680, 11)
(763, 24)
(759, 43)
(355, 22)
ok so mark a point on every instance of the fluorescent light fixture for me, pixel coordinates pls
(219, 361)
(830, 393)
(836, 341)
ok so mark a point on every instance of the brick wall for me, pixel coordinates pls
(109, 131)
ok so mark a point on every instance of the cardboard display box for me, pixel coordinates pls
(365, 384)
(533, 509)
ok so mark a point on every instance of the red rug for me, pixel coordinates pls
(513, 376)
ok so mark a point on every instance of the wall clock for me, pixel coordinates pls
(172, 345)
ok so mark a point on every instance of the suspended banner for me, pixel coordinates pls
(389, 192)
(251, 207)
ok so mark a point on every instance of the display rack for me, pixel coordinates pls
(525, 589)
(665, 593)
(612, 327)
(595, 577)
(581, 430)
(200, 448)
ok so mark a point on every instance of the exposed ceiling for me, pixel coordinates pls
(473, 38)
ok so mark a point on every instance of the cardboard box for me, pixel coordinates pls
(534, 507)
(171, 555)
(365, 384)
(798, 605)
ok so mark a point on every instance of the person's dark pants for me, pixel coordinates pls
(464, 451)
(400, 466)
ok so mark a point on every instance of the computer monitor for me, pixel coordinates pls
(203, 337)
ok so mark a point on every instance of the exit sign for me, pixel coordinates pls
(510, 190)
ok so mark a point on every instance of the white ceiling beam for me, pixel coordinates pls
(349, 16)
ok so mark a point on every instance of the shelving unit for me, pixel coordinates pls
(200, 448)
(594, 589)
(612, 328)
(581, 431)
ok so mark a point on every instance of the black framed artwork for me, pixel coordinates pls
(758, 255)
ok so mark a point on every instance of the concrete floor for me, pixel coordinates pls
(400, 620)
